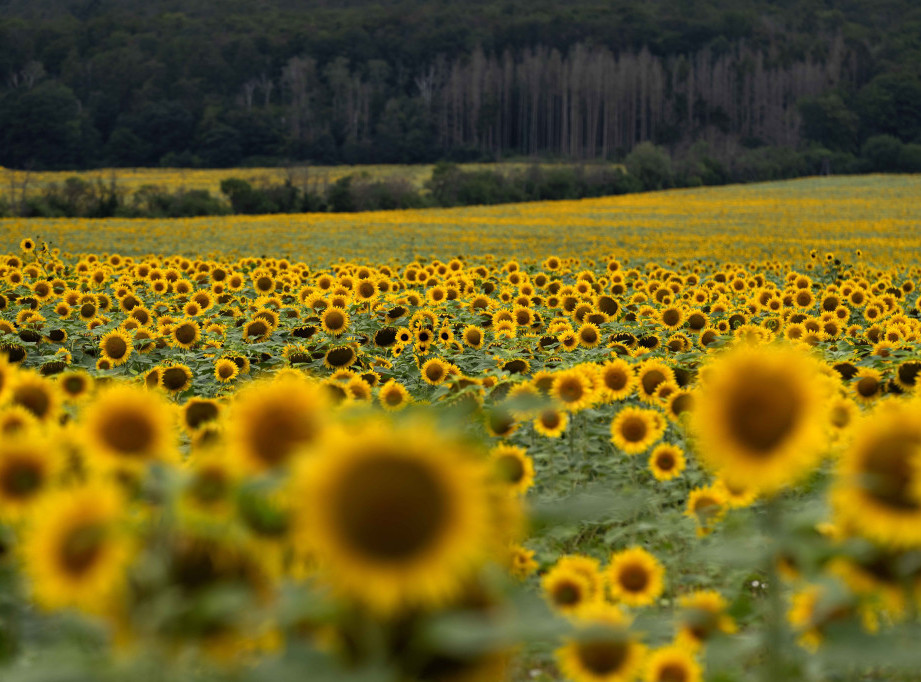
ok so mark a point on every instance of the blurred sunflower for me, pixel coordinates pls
(634, 429)
(394, 396)
(707, 506)
(39, 396)
(75, 384)
(397, 515)
(76, 551)
(666, 462)
(760, 416)
(127, 426)
(198, 412)
(672, 664)
(270, 421)
(635, 577)
(878, 488)
(616, 379)
(703, 615)
(512, 468)
(567, 589)
(551, 423)
(602, 648)
(29, 463)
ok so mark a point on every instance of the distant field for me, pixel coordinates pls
(132, 179)
(879, 214)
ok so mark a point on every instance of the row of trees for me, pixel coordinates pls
(647, 167)
(101, 83)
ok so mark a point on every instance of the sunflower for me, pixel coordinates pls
(760, 416)
(76, 552)
(634, 577)
(867, 385)
(175, 377)
(152, 378)
(358, 389)
(567, 589)
(551, 422)
(396, 515)
(589, 568)
(257, 330)
(679, 402)
(589, 335)
(338, 357)
(734, 494)
(649, 375)
(512, 468)
(671, 317)
(603, 649)
(667, 462)
(707, 506)
(27, 245)
(521, 563)
(814, 608)
(672, 664)
(225, 370)
(75, 384)
(634, 429)
(15, 419)
(500, 422)
(878, 488)
(7, 375)
(435, 371)
(270, 421)
(572, 390)
(569, 340)
(128, 426)
(334, 321)
(28, 465)
(842, 415)
(200, 412)
(116, 346)
(185, 334)
(703, 616)
(394, 396)
(39, 396)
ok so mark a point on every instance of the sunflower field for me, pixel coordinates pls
(668, 452)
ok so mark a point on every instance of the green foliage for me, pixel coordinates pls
(651, 165)
(84, 84)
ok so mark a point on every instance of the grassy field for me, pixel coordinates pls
(663, 437)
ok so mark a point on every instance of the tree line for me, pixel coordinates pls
(647, 167)
(91, 83)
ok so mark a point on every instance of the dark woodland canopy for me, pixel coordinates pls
(86, 83)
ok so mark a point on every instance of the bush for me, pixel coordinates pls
(882, 153)
(651, 165)
(910, 158)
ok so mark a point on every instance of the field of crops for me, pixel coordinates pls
(665, 437)
(782, 220)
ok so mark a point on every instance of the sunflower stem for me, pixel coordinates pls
(572, 452)
(775, 659)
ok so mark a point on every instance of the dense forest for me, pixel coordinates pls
(86, 83)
